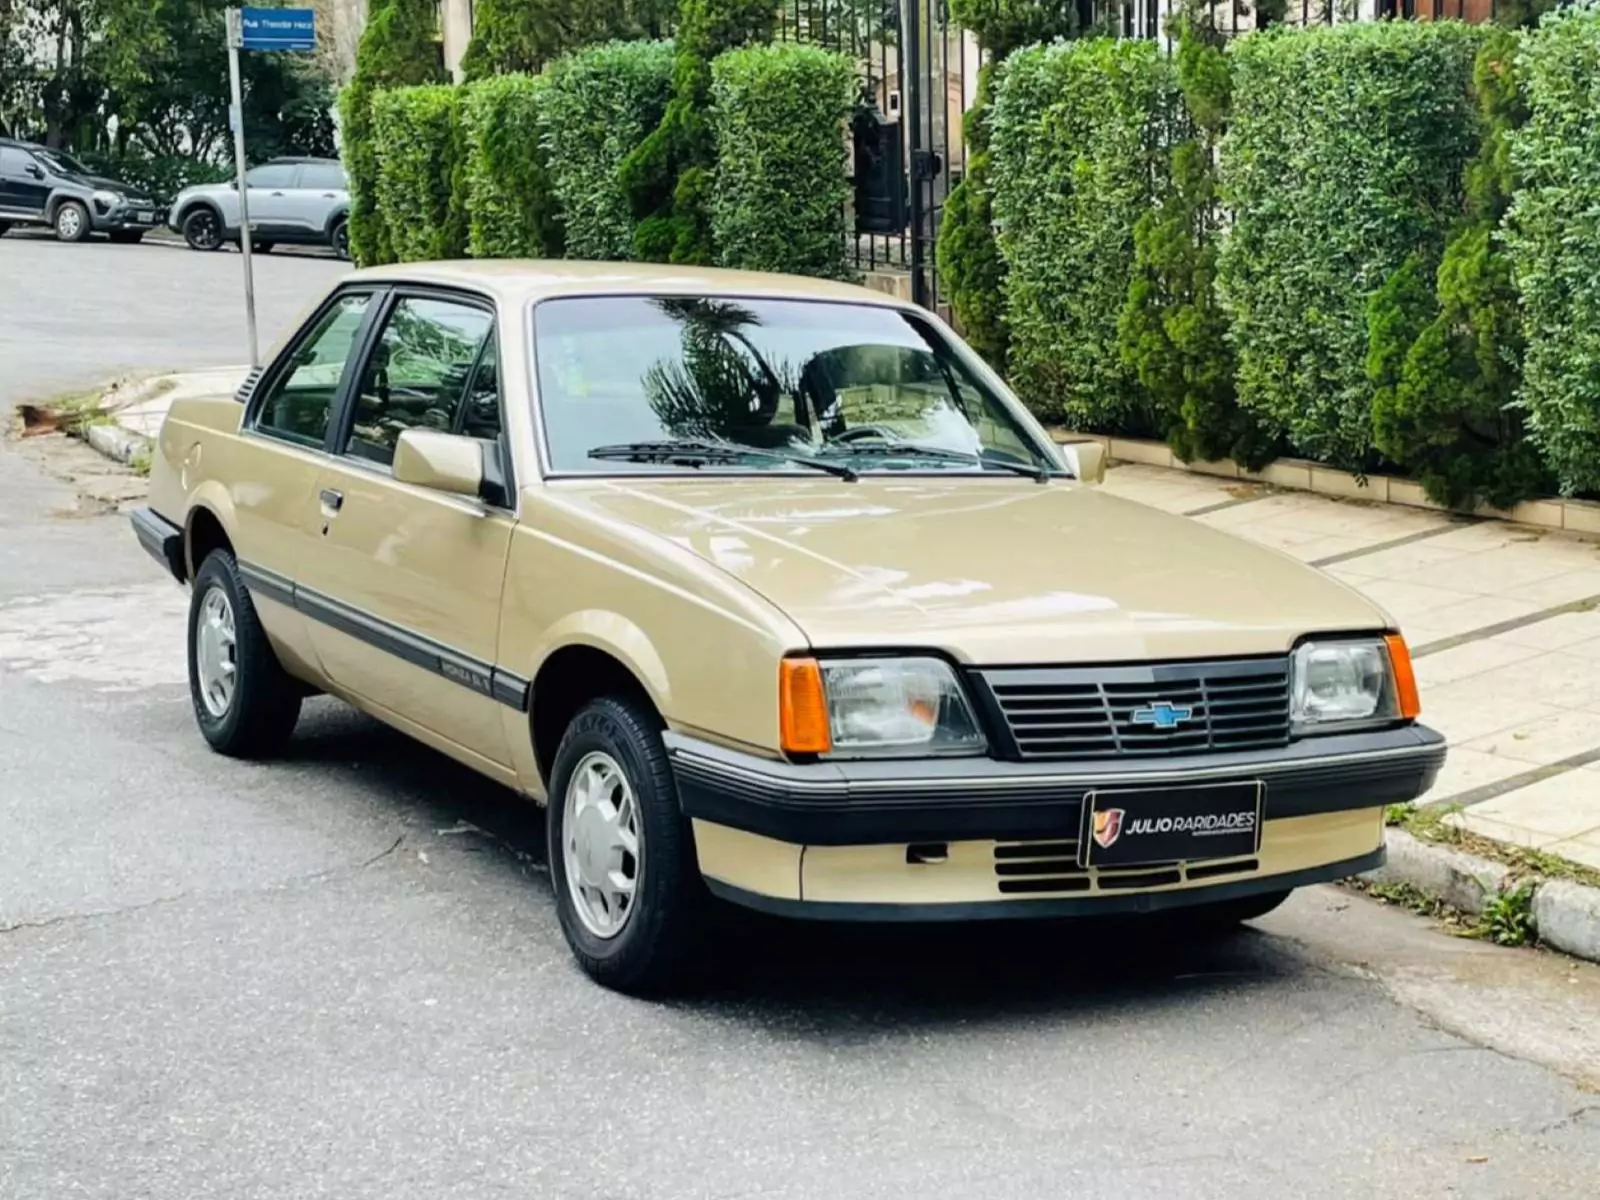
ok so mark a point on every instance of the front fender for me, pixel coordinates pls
(616, 635)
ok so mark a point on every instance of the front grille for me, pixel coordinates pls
(1108, 712)
(1044, 867)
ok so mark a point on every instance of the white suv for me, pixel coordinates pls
(292, 200)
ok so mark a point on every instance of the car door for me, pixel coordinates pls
(404, 591)
(271, 188)
(317, 191)
(271, 469)
(23, 190)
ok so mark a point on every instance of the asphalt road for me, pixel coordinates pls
(340, 975)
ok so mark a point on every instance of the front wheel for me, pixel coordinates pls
(244, 701)
(71, 222)
(4, 227)
(628, 891)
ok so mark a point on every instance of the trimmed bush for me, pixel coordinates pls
(972, 274)
(1553, 237)
(398, 49)
(523, 35)
(511, 204)
(1343, 158)
(778, 121)
(416, 136)
(599, 106)
(1080, 152)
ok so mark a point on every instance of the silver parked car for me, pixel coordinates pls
(305, 201)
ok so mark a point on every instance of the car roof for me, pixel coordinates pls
(301, 158)
(513, 280)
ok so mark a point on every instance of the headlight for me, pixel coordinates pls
(107, 199)
(876, 707)
(1335, 685)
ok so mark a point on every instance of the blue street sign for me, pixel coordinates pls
(278, 29)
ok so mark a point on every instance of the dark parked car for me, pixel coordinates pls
(40, 186)
(305, 201)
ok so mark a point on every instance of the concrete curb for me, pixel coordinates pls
(1566, 914)
(115, 442)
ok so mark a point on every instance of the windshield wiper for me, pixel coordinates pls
(913, 449)
(690, 453)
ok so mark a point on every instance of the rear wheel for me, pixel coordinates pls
(202, 230)
(628, 891)
(339, 239)
(261, 247)
(4, 225)
(244, 701)
(127, 237)
(71, 222)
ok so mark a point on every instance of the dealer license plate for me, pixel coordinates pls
(1130, 828)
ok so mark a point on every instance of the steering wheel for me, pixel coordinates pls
(861, 433)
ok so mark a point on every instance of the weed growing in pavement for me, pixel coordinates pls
(1507, 919)
(141, 460)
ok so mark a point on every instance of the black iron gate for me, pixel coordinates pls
(918, 73)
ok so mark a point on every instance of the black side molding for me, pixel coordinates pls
(162, 540)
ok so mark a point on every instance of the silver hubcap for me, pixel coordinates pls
(215, 652)
(601, 844)
(70, 221)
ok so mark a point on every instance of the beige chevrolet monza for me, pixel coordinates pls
(775, 595)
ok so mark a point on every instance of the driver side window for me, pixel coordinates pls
(418, 374)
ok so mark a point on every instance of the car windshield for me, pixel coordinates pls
(62, 162)
(622, 379)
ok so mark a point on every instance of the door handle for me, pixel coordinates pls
(332, 502)
(277, 193)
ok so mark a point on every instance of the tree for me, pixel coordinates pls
(1173, 331)
(668, 176)
(399, 48)
(523, 35)
(1445, 354)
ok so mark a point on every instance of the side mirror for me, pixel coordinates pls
(444, 462)
(36, 170)
(1087, 461)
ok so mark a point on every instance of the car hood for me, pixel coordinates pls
(988, 570)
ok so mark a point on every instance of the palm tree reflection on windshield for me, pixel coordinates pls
(720, 387)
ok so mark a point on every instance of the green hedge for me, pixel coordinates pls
(1554, 242)
(599, 105)
(1079, 152)
(416, 136)
(511, 205)
(1344, 157)
(778, 120)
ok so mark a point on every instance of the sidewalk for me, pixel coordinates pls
(1503, 622)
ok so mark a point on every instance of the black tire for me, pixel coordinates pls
(4, 227)
(202, 229)
(265, 702)
(126, 237)
(71, 222)
(261, 247)
(339, 238)
(658, 946)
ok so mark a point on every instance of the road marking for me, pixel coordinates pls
(1234, 503)
(1391, 544)
(1587, 604)
(1515, 783)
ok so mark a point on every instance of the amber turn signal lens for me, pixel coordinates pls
(1405, 679)
(802, 708)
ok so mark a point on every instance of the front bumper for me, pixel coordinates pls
(935, 800)
(124, 217)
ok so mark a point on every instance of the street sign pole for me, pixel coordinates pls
(236, 119)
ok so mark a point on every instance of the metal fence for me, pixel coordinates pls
(918, 72)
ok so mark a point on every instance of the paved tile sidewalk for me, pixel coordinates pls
(1504, 622)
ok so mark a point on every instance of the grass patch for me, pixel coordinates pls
(1507, 919)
